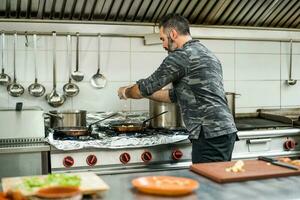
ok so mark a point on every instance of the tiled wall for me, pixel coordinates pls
(255, 69)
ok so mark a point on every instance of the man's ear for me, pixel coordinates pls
(173, 34)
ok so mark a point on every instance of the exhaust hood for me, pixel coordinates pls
(249, 13)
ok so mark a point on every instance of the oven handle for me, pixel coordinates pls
(258, 141)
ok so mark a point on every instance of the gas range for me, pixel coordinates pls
(108, 152)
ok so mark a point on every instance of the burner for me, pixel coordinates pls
(60, 136)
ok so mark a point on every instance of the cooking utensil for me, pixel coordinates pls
(171, 120)
(4, 78)
(70, 89)
(77, 75)
(98, 80)
(14, 89)
(230, 97)
(53, 98)
(133, 127)
(291, 81)
(278, 163)
(36, 89)
(67, 118)
(79, 131)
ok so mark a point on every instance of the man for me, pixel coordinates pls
(196, 75)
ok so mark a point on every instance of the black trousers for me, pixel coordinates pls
(213, 149)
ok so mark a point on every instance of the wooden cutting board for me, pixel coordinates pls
(254, 169)
(90, 183)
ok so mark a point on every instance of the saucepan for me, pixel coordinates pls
(79, 130)
(133, 127)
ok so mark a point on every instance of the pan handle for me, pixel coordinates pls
(145, 121)
(96, 122)
(53, 115)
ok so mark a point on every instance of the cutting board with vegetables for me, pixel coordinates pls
(252, 170)
(88, 182)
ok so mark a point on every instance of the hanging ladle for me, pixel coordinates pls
(77, 75)
(291, 81)
(4, 78)
(70, 89)
(14, 89)
(98, 80)
(53, 98)
(36, 89)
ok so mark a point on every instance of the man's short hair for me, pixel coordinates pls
(175, 21)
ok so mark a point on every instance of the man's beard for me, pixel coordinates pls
(171, 47)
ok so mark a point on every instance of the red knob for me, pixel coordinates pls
(177, 154)
(146, 156)
(68, 161)
(124, 158)
(289, 144)
(91, 160)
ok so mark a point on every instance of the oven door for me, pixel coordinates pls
(22, 162)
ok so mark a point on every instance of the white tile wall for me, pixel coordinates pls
(255, 69)
(257, 66)
(260, 47)
(258, 93)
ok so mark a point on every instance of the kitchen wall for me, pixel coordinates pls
(255, 69)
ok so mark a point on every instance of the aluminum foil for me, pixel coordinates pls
(119, 141)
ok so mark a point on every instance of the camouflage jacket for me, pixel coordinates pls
(196, 75)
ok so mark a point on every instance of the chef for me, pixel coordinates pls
(197, 78)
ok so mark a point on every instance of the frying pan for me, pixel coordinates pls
(133, 127)
(78, 130)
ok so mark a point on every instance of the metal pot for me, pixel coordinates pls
(230, 96)
(68, 118)
(171, 120)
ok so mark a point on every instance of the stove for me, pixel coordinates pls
(109, 152)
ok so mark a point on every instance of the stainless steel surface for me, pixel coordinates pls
(4, 78)
(53, 98)
(231, 96)
(15, 89)
(273, 188)
(36, 89)
(108, 160)
(24, 163)
(77, 75)
(98, 80)
(285, 115)
(27, 123)
(259, 13)
(291, 81)
(24, 148)
(68, 118)
(171, 119)
(70, 89)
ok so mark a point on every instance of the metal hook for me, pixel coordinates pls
(26, 39)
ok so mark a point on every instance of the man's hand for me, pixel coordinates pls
(122, 92)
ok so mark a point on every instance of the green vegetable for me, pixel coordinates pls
(50, 180)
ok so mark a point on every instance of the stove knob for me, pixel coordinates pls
(124, 158)
(177, 154)
(68, 161)
(91, 160)
(289, 144)
(146, 156)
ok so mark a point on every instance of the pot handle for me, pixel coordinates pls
(145, 121)
(53, 115)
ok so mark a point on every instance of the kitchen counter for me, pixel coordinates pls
(275, 188)
(24, 148)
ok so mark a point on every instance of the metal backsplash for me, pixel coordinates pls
(255, 13)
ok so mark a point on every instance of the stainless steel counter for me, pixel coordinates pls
(24, 148)
(275, 188)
